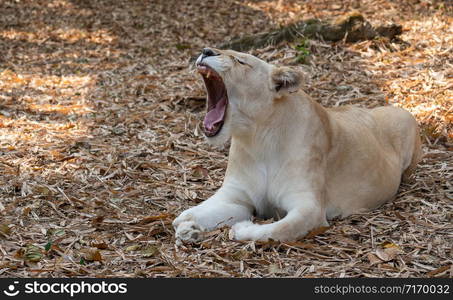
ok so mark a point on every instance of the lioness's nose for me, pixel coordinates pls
(208, 52)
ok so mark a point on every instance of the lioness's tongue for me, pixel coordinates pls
(215, 115)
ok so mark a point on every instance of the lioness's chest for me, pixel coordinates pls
(271, 190)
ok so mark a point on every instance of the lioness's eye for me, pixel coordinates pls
(240, 61)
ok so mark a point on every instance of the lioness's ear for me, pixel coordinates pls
(285, 79)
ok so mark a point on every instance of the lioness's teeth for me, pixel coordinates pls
(209, 74)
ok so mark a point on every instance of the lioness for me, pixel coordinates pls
(290, 158)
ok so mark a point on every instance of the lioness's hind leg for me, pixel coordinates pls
(416, 157)
(402, 129)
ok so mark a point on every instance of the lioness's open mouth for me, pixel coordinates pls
(217, 100)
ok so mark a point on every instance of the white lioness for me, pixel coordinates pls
(290, 158)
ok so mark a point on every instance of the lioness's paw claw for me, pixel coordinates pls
(189, 232)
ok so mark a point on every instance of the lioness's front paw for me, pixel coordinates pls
(189, 231)
(185, 216)
(245, 230)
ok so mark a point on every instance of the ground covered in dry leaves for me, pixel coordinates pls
(100, 146)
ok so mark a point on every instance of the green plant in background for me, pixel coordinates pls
(182, 47)
(303, 49)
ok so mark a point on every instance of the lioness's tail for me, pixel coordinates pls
(417, 156)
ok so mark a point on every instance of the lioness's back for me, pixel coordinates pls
(392, 126)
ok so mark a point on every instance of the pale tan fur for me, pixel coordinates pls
(292, 158)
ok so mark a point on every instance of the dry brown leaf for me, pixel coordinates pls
(302, 245)
(56, 248)
(150, 219)
(241, 254)
(91, 254)
(438, 270)
(199, 172)
(387, 254)
(317, 231)
(26, 211)
(390, 245)
(149, 251)
(101, 246)
(132, 248)
(97, 220)
(275, 269)
(5, 229)
(373, 258)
